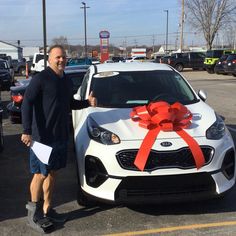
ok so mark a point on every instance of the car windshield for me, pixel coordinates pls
(214, 53)
(129, 89)
(231, 57)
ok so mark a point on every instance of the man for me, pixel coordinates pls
(47, 101)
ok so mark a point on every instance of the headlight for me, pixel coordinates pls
(101, 135)
(217, 130)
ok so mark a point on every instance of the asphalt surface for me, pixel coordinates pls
(215, 218)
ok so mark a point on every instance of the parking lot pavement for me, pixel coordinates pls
(101, 220)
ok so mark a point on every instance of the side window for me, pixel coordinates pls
(39, 57)
(84, 85)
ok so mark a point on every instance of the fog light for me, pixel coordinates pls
(95, 172)
(228, 165)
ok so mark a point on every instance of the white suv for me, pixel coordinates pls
(38, 63)
(151, 137)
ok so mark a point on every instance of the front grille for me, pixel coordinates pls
(181, 158)
(171, 186)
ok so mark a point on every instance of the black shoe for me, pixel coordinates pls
(55, 217)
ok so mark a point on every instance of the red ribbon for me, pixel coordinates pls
(159, 116)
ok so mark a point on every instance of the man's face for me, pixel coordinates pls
(57, 60)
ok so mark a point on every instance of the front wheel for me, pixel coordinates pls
(82, 199)
(179, 67)
(210, 71)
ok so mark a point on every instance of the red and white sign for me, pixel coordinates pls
(104, 44)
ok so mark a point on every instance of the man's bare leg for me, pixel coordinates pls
(36, 187)
(48, 186)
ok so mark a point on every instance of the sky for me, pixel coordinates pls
(130, 22)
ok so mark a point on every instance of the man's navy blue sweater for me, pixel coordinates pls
(46, 105)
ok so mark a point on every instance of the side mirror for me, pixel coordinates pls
(202, 94)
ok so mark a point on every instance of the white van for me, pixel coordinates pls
(38, 63)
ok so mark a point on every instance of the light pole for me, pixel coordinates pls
(85, 30)
(167, 18)
(44, 34)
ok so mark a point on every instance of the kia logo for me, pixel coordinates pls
(166, 144)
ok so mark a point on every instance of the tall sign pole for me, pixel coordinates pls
(104, 44)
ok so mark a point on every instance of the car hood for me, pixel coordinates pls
(119, 122)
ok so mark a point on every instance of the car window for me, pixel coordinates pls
(128, 89)
(84, 84)
(214, 53)
(77, 79)
(40, 57)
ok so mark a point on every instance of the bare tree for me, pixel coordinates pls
(209, 16)
(62, 41)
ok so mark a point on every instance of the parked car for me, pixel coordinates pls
(158, 58)
(118, 59)
(76, 74)
(192, 60)
(5, 76)
(37, 64)
(136, 58)
(79, 61)
(219, 67)
(10, 65)
(19, 66)
(120, 155)
(164, 59)
(230, 65)
(212, 56)
(1, 128)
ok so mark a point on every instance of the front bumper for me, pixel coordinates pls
(102, 176)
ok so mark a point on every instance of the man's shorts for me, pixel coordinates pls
(57, 159)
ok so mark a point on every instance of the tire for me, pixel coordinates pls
(82, 199)
(1, 138)
(210, 71)
(179, 67)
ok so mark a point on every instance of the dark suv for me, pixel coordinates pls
(230, 65)
(5, 76)
(10, 65)
(192, 60)
(220, 64)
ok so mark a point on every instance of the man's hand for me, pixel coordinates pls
(92, 100)
(26, 139)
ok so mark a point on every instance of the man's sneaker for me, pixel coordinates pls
(55, 217)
